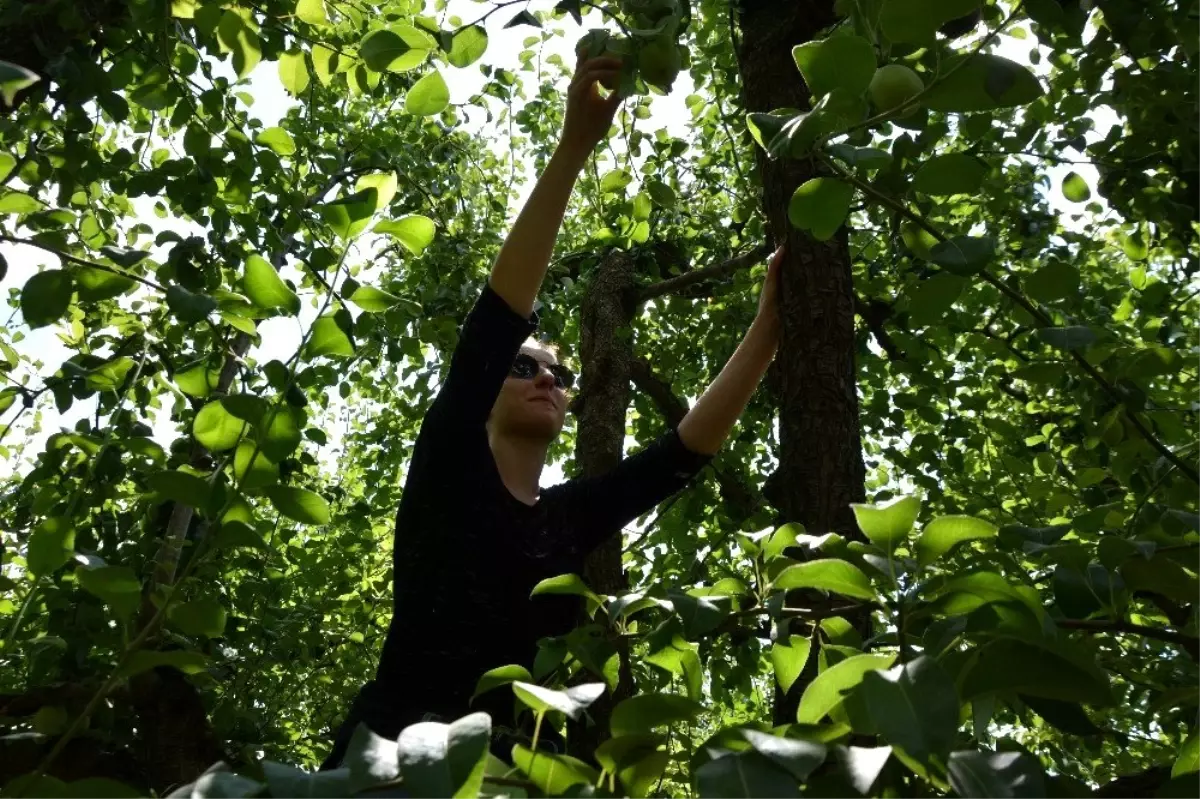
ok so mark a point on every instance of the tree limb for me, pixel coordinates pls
(714, 272)
(1188, 643)
(874, 313)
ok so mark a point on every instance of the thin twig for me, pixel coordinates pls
(83, 262)
(1188, 643)
(722, 269)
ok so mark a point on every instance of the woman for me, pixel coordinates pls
(474, 532)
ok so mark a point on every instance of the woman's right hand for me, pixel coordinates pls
(588, 115)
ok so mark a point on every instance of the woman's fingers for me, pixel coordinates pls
(583, 84)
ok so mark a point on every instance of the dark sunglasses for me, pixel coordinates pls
(527, 367)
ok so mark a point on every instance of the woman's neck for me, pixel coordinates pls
(519, 461)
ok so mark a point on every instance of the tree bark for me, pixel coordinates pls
(606, 357)
(820, 459)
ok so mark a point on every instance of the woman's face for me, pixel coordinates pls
(533, 408)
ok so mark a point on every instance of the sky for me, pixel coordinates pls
(281, 336)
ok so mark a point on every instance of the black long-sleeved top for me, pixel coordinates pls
(467, 553)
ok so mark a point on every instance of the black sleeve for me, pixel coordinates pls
(491, 338)
(598, 507)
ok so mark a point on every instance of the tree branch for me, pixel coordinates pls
(874, 313)
(1188, 643)
(714, 272)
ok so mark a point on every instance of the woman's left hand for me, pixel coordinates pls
(768, 299)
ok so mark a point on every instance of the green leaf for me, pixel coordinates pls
(933, 297)
(51, 544)
(566, 584)
(252, 468)
(287, 781)
(827, 574)
(1188, 761)
(789, 658)
(553, 774)
(986, 83)
(414, 231)
(1163, 576)
(863, 765)
(187, 306)
(278, 140)
(467, 46)
(312, 12)
(200, 617)
(917, 21)
(744, 774)
(199, 381)
(571, 701)
(236, 535)
(826, 692)
(384, 184)
(144, 660)
(700, 615)
(266, 288)
(615, 181)
(373, 300)
(350, 215)
(445, 759)
(1075, 188)
(371, 758)
(15, 202)
(820, 206)
(1066, 716)
(797, 756)
(299, 504)
(953, 173)
(282, 434)
(45, 297)
(238, 37)
(94, 285)
(181, 487)
(838, 62)
(7, 162)
(1054, 281)
(1071, 338)
(428, 96)
(13, 79)
(328, 339)
(644, 712)
(395, 49)
(995, 774)
(1007, 664)
(946, 532)
(964, 254)
(662, 194)
(118, 586)
(865, 157)
(501, 675)
(109, 376)
(887, 526)
(216, 428)
(914, 707)
(293, 73)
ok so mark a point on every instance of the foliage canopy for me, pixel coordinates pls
(255, 317)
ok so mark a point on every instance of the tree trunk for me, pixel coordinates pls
(820, 458)
(606, 356)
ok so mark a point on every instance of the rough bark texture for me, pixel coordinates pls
(606, 355)
(820, 459)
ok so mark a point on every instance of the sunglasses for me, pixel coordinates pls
(527, 367)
